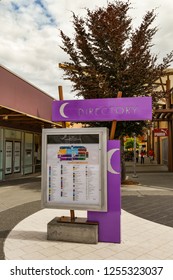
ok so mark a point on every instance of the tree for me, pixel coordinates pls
(129, 144)
(107, 55)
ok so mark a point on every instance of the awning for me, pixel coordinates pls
(16, 120)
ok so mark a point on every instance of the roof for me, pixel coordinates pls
(23, 105)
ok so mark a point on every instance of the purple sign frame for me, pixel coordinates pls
(110, 221)
(109, 109)
(106, 109)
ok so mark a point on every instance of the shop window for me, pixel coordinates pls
(28, 153)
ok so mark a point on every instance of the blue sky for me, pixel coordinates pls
(29, 37)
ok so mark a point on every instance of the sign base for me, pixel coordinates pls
(78, 230)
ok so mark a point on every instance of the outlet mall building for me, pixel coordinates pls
(24, 111)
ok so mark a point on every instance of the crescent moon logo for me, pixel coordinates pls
(61, 110)
(110, 154)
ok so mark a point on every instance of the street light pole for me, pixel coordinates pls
(134, 149)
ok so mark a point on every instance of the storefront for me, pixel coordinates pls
(20, 153)
(163, 119)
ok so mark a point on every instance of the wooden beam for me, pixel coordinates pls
(162, 85)
(114, 123)
(160, 120)
(169, 110)
(72, 213)
(61, 98)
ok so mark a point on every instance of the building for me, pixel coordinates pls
(24, 111)
(163, 119)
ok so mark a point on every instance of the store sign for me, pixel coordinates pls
(106, 109)
(160, 132)
(75, 168)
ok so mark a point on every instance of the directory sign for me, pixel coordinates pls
(75, 168)
(104, 109)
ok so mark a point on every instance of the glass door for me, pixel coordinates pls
(8, 157)
(12, 157)
(17, 157)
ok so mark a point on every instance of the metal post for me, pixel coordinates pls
(72, 213)
(134, 149)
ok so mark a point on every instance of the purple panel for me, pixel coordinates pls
(110, 221)
(106, 109)
(20, 96)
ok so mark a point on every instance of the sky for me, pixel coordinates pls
(30, 39)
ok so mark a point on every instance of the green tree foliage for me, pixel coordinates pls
(129, 144)
(107, 55)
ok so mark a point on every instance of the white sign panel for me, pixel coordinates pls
(17, 156)
(74, 168)
(8, 157)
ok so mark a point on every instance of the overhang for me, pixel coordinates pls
(22, 105)
(163, 114)
(13, 119)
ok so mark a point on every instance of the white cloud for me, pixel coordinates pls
(29, 39)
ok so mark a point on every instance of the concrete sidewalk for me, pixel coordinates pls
(151, 195)
(147, 222)
(152, 200)
(19, 191)
(141, 239)
(19, 199)
(147, 167)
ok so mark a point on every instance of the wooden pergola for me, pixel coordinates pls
(164, 113)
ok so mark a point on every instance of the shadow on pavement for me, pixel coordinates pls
(11, 217)
(20, 181)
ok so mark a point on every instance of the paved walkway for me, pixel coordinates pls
(18, 199)
(19, 191)
(147, 228)
(141, 239)
(151, 202)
